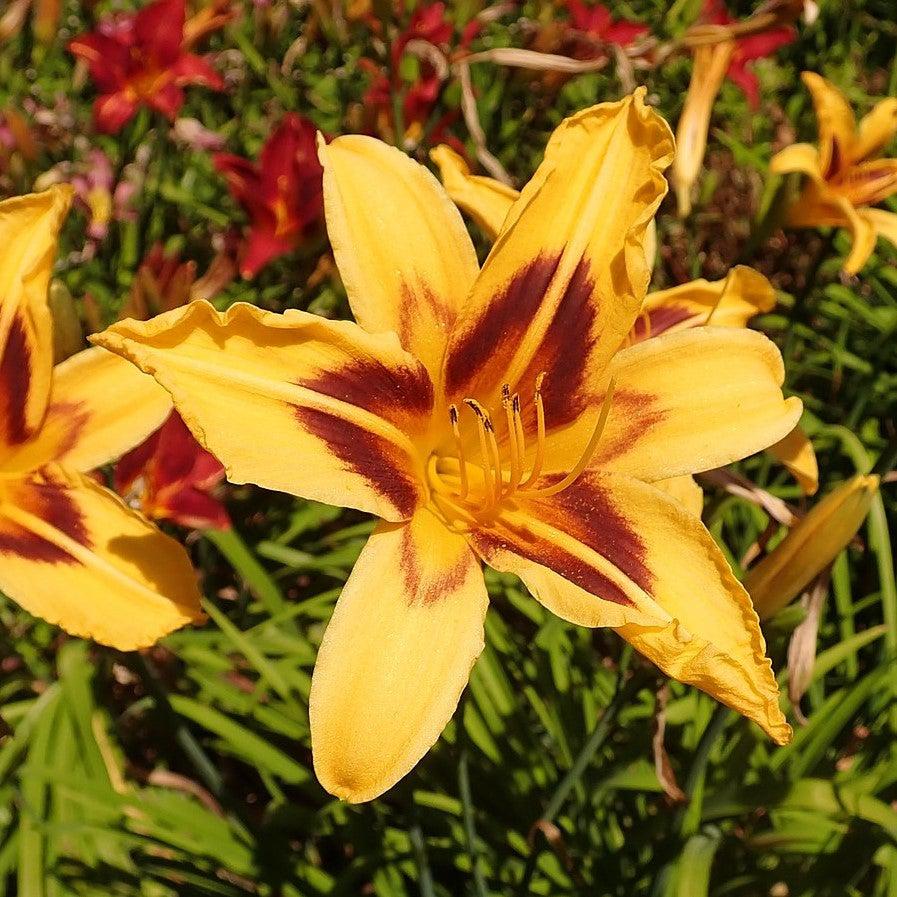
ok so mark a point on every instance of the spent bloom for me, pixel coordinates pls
(846, 174)
(143, 59)
(281, 192)
(722, 48)
(492, 416)
(70, 551)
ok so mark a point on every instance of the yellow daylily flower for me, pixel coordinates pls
(811, 545)
(730, 302)
(70, 551)
(846, 175)
(493, 416)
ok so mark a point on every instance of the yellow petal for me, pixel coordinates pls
(796, 453)
(884, 223)
(396, 656)
(799, 158)
(869, 182)
(316, 408)
(485, 199)
(863, 234)
(75, 555)
(877, 129)
(836, 123)
(811, 546)
(100, 407)
(402, 250)
(711, 62)
(565, 280)
(29, 229)
(686, 491)
(686, 402)
(730, 302)
(613, 551)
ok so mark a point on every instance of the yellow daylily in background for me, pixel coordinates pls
(70, 551)
(811, 545)
(846, 175)
(730, 302)
(488, 415)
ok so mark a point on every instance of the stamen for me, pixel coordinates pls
(512, 437)
(540, 434)
(496, 462)
(492, 487)
(726, 285)
(589, 449)
(459, 448)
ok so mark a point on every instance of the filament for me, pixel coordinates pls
(513, 448)
(491, 487)
(459, 448)
(540, 434)
(589, 450)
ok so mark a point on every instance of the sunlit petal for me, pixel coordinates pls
(396, 656)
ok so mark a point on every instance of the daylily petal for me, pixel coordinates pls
(813, 543)
(73, 554)
(710, 67)
(100, 407)
(796, 453)
(686, 491)
(565, 280)
(29, 228)
(730, 302)
(395, 657)
(802, 158)
(686, 402)
(869, 182)
(292, 402)
(836, 123)
(485, 199)
(613, 551)
(877, 129)
(863, 233)
(402, 250)
(884, 223)
(113, 111)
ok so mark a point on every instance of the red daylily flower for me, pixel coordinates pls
(172, 478)
(430, 24)
(747, 48)
(281, 194)
(142, 59)
(596, 21)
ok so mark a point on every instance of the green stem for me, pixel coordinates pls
(236, 552)
(416, 834)
(594, 742)
(470, 832)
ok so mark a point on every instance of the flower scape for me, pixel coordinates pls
(447, 449)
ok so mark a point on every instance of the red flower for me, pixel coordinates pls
(429, 23)
(172, 477)
(282, 194)
(597, 21)
(748, 48)
(141, 59)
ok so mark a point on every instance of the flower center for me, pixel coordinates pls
(465, 490)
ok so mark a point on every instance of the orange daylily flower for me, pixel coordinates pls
(493, 416)
(70, 551)
(847, 175)
(730, 302)
(143, 60)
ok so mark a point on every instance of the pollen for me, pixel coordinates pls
(496, 461)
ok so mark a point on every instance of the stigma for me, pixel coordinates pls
(476, 477)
